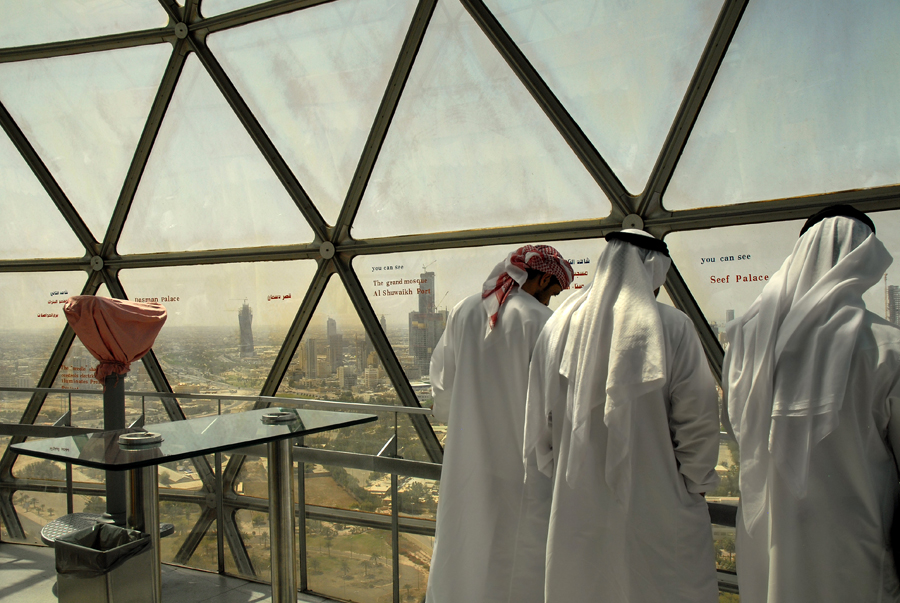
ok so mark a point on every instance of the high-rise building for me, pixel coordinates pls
(346, 377)
(893, 304)
(425, 326)
(331, 327)
(363, 349)
(729, 315)
(384, 324)
(311, 358)
(371, 376)
(245, 320)
(425, 290)
(335, 351)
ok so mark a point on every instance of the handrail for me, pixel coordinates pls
(332, 404)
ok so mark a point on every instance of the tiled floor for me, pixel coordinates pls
(28, 575)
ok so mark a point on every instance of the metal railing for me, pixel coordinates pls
(222, 503)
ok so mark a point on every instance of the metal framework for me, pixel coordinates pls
(333, 247)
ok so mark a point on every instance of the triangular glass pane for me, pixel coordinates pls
(210, 342)
(40, 21)
(619, 68)
(333, 363)
(32, 322)
(727, 268)
(314, 79)
(469, 147)
(32, 226)
(206, 185)
(804, 103)
(84, 115)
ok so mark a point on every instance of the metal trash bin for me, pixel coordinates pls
(104, 563)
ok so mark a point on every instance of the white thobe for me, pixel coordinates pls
(657, 550)
(833, 546)
(479, 387)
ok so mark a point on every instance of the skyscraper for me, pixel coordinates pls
(311, 358)
(335, 351)
(893, 304)
(331, 327)
(425, 326)
(245, 320)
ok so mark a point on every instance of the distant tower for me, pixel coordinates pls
(245, 320)
(335, 352)
(426, 293)
(893, 304)
(331, 327)
(311, 359)
(425, 326)
(384, 324)
(729, 315)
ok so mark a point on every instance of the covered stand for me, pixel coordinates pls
(116, 333)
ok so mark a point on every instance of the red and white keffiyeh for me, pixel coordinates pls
(513, 271)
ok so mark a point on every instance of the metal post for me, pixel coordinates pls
(70, 497)
(281, 522)
(114, 418)
(395, 520)
(301, 501)
(395, 537)
(143, 515)
(220, 515)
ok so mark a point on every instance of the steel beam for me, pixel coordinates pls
(883, 198)
(261, 139)
(684, 301)
(389, 359)
(142, 152)
(701, 82)
(383, 117)
(603, 175)
(253, 14)
(59, 198)
(55, 361)
(98, 44)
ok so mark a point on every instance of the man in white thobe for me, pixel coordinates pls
(621, 443)
(479, 372)
(813, 386)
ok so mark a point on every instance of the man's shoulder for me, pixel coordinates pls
(883, 331)
(671, 315)
(467, 305)
(526, 305)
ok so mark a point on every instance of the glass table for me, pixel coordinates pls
(276, 427)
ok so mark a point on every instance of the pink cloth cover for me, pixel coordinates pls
(115, 332)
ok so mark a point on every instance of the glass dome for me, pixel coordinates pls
(344, 172)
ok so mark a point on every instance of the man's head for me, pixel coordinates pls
(539, 270)
(542, 285)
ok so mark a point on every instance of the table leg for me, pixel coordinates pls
(281, 522)
(143, 515)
